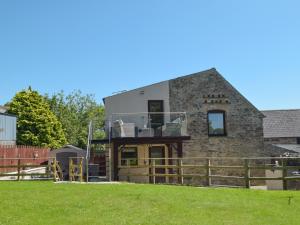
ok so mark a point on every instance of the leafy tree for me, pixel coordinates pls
(36, 124)
(75, 111)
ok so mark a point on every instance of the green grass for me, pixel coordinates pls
(48, 203)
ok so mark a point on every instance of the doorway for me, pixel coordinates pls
(157, 153)
(156, 116)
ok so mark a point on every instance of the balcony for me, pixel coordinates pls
(139, 125)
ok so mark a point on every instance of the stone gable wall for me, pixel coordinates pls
(197, 94)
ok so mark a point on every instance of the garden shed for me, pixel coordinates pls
(63, 156)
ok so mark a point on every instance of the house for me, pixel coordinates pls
(8, 127)
(282, 131)
(198, 115)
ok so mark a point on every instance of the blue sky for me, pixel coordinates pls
(101, 47)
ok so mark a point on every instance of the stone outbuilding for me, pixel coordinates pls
(282, 131)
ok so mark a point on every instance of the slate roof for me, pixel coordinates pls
(281, 123)
(71, 147)
(290, 147)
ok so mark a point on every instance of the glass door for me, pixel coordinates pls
(156, 116)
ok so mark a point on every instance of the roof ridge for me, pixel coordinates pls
(268, 110)
(72, 146)
(177, 77)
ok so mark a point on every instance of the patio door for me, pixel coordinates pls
(156, 116)
(157, 153)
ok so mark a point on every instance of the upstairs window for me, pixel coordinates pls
(129, 156)
(216, 123)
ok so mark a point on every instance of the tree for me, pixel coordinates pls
(36, 124)
(75, 111)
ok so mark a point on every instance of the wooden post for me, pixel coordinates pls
(80, 170)
(54, 169)
(116, 161)
(60, 174)
(153, 171)
(247, 173)
(19, 168)
(128, 170)
(87, 169)
(70, 169)
(284, 174)
(208, 172)
(179, 150)
(170, 162)
(180, 171)
(179, 155)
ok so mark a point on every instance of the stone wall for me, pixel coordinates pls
(199, 93)
(243, 121)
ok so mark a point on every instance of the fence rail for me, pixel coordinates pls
(19, 169)
(178, 169)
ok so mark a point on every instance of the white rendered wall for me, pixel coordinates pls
(136, 100)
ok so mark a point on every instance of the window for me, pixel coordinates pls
(129, 156)
(216, 123)
(298, 140)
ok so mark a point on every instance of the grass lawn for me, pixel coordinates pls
(48, 203)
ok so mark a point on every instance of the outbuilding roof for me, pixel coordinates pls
(281, 123)
(69, 148)
(289, 147)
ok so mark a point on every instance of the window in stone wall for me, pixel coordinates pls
(216, 123)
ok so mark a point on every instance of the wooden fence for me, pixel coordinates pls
(21, 169)
(9, 155)
(176, 168)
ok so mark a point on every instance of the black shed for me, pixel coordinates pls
(63, 156)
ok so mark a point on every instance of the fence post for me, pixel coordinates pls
(180, 171)
(284, 174)
(247, 173)
(87, 169)
(153, 170)
(208, 172)
(128, 170)
(80, 170)
(19, 168)
(70, 169)
(54, 169)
